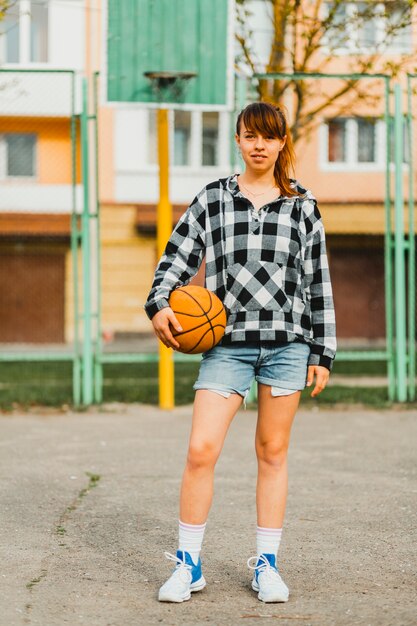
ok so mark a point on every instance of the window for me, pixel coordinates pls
(39, 31)
(352, 140)
(337, 140)
(366, 140)
(10, 36)
(339, 32)
(398, 25)
(152, 138)
(356, 142)
(182, 135)
(210, 139)
(197, 138)
(24, 32)
(367, 27)
(357, 27)
(19, 155)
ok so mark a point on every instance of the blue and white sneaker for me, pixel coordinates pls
(186, 577)
(266, 579)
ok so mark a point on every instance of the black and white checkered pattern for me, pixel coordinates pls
(269, 267)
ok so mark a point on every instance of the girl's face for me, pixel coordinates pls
(258, 152)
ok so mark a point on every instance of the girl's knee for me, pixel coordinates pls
(272, 453)
(202, 454)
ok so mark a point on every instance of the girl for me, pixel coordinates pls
(263, 239)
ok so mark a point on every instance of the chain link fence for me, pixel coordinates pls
(73, 281)
(40, 182)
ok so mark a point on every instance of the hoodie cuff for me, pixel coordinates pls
(152, 308)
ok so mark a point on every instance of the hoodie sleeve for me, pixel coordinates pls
(318, 290)
(181, 259)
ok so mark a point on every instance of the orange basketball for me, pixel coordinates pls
(201, 315)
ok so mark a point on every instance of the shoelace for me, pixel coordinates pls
(181, 565)
(264, 565)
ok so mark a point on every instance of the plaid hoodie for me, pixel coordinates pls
(269, 267)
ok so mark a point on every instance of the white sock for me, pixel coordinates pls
(191, 538)
(267, 540)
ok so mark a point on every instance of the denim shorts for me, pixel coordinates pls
(232, 368)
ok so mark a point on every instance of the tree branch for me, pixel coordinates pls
(299, 32)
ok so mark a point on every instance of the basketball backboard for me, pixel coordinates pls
(192, 37)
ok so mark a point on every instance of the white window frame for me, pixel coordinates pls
(196, 144)
(352, 44)
(4, 177)
(352, 164)
(25, 38)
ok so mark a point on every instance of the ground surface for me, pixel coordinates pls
(90, 502)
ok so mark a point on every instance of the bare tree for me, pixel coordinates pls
(308, 35)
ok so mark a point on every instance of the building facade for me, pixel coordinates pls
(342, 161)
(42, 54)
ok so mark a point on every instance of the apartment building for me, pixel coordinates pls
(41, 44)
(342, 161)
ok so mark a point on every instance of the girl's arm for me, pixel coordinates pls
(319, 292)
(181, 259)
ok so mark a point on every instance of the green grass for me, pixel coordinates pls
(49, 383)
(336, 394)
(26, 383)
(356, 368)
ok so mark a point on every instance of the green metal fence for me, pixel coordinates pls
(399, 353)
(54, 98)
(39, 231)
(84, 352)
(411, 249)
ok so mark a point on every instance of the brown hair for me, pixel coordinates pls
(269, 120)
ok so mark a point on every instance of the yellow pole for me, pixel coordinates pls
(163, 231)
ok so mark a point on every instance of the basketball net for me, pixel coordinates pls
(169, 87)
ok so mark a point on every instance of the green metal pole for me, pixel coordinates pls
(411, 253)
(388, 250)
(240, 102)
(98, 365)
(400, 294)
(306, 75)
(87, 352)
(76, 369)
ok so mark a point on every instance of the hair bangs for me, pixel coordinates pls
(263, 120)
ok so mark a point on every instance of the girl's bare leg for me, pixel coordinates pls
(212, 416)
(275, 418)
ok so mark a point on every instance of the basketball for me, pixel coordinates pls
(202, 317)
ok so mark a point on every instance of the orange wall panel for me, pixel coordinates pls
(54, 150)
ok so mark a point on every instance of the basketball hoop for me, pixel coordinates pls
(169, 87)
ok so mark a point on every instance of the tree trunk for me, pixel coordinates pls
(273, 90)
